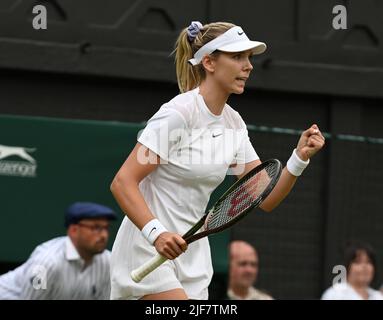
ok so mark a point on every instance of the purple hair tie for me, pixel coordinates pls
(193, 30)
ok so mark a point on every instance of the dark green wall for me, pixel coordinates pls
(75, 160)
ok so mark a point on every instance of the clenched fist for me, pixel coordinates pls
(310, 142)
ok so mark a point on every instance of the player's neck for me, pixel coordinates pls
(215, 98)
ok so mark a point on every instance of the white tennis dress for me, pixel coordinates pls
(196, 148)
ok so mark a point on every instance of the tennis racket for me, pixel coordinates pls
(244, 195)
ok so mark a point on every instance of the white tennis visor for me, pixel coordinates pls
(233, 40)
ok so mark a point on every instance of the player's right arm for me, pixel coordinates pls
(128, 195)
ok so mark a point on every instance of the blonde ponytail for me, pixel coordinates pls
(187, 76)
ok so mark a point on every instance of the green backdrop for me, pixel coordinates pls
(46, 164)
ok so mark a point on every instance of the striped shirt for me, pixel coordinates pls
(56, 271)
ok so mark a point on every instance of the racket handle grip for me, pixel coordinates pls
(141, 272)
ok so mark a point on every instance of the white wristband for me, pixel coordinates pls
(152, 230)
(296, 165)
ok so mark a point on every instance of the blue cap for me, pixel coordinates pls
(87, 210)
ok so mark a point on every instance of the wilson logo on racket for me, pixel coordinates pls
(243, 198)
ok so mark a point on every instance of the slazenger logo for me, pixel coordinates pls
(25, 168)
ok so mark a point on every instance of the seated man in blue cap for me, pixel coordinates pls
(75, 266)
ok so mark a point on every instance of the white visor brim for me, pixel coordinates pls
(233, 40)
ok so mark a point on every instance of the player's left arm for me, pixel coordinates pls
(310, 142)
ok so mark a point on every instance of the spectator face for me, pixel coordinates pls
(361, 271)
(91, 235)
(243, 266)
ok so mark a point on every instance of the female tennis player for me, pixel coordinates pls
(182, 155)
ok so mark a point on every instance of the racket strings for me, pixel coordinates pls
(241, 198)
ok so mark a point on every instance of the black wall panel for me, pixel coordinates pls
(133, 39)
